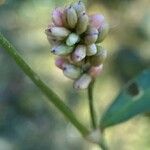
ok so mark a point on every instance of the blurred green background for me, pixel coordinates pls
(27, 121)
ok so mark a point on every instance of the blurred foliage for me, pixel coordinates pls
(115, 3)
(129, 63)
(26, 121)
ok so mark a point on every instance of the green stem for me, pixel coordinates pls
(91, 105)
(62, 107)
(102, 143)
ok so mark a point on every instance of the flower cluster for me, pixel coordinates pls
(75, 37)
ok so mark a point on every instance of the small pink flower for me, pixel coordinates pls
(96, 20)
(60, 62)
(57, 17)
(95, 71)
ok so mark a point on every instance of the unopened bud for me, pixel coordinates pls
(82, 23)
(91, 35)
(57, 17)
(103, 31)
(71, 71)
(96, 20)
(52, 39)
(91, 50)
(94, 71)
(62, 50)
(79, 53)
(72, 39)
(99, 57)
(64, 18)
(79, 7)
(59, 31)
(60, 62)
(72, 17)
(83, 82)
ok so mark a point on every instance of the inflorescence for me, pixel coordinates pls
(75, 37)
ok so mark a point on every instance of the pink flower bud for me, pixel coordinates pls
(94, 71)
(60, 62)
(96, 20)
(64, 18)
(91, 36)
(103, 31)
(57, 16)
(79, 53)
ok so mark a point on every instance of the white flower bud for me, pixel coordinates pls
(72, 39)
(79, 53)
(62, 50)
(82, 23)
(79, 7)
(83, 82)
(72, 17)
(71, 71)
(59, 31)
(91, 50)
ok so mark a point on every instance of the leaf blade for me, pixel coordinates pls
(133, 100)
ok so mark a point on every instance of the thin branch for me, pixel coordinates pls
(52, 97)
(91, 105)
(102, 142)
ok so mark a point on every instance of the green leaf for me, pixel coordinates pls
(133, 100)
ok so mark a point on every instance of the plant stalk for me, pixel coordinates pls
(91, 105)
(102, 143)
(52, 97)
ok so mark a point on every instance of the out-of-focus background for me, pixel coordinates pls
(27, 121)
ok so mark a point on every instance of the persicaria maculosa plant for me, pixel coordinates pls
(75, 37)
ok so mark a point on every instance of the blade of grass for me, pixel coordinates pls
(52, 97)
